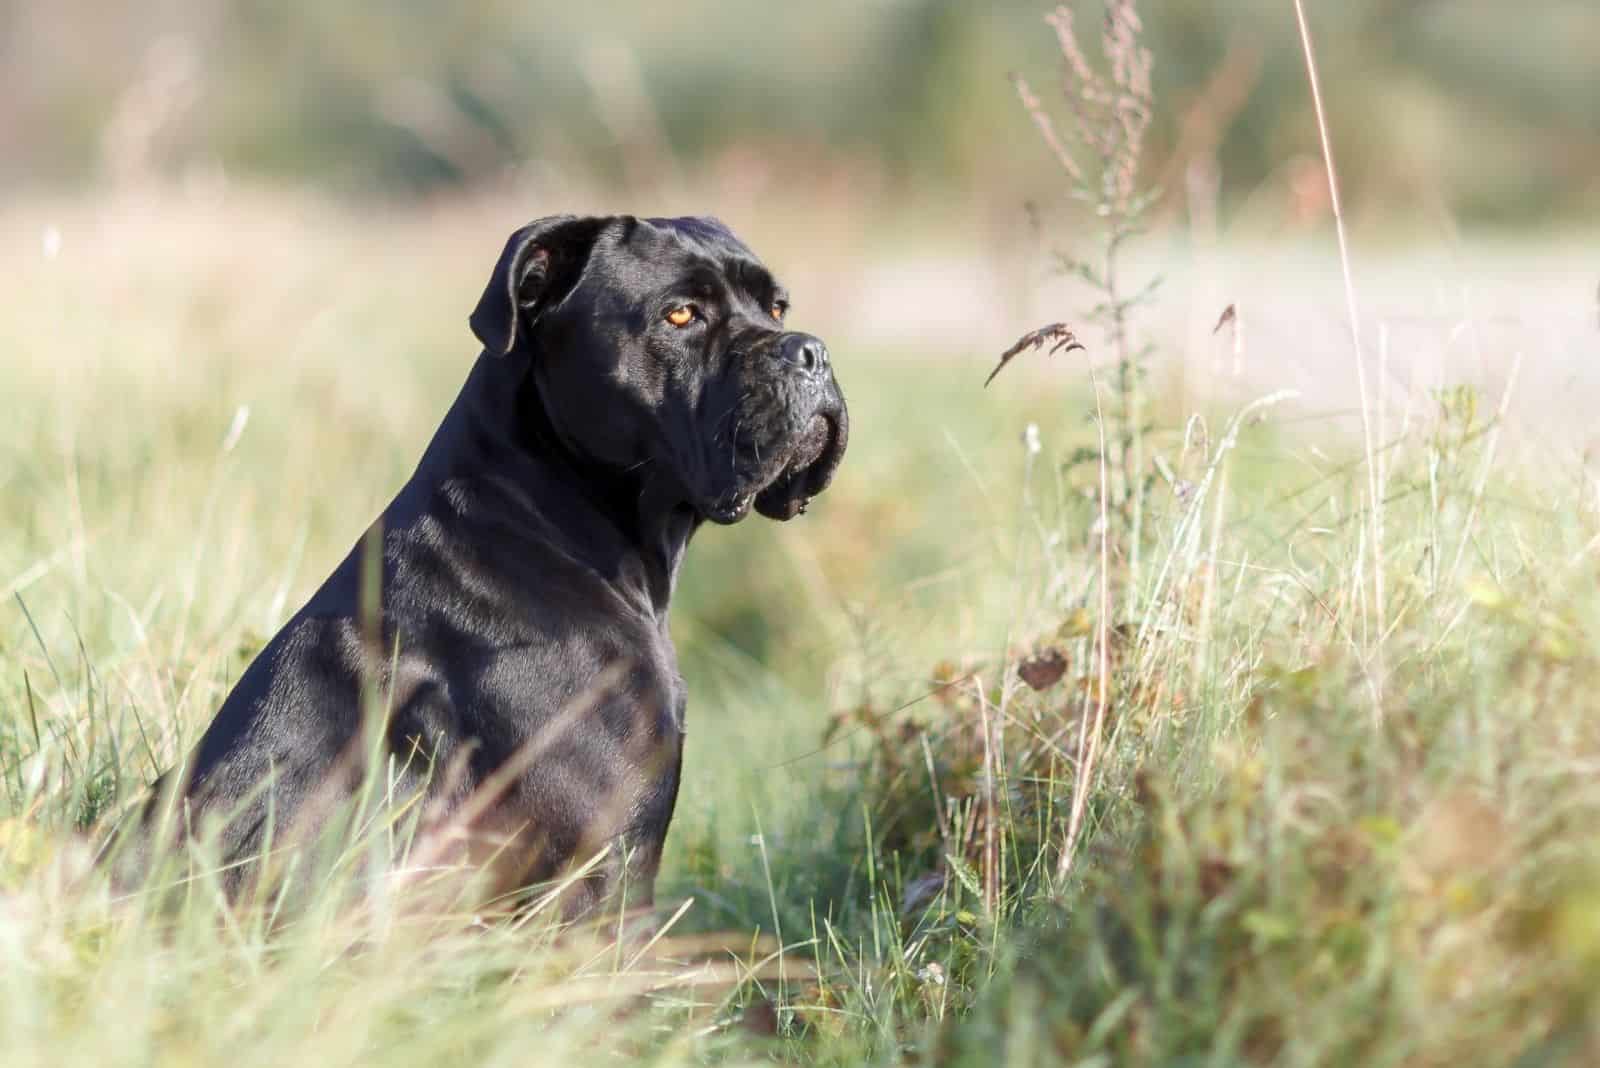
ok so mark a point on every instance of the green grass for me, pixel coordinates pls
(1320, 828)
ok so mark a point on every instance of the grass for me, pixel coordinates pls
(205, 405)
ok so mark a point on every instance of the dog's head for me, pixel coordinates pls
(659, 346)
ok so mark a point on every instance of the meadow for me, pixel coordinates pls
(975, 774)
(1195, 694)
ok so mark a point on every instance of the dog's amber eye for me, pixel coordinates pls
(778, 310)
(681, 316)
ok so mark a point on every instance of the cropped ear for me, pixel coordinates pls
(540, 265)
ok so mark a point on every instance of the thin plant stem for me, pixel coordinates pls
(1355, 334)
(1089, 747)
(1488, 461)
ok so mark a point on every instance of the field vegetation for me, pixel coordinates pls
(1093, 717)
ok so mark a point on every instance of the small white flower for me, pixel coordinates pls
(931, 973)
(1030, 439)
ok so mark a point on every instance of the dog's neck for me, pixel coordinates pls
(631, 529)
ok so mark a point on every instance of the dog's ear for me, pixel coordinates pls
(540, 265)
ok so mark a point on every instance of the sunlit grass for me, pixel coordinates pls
(204, 409)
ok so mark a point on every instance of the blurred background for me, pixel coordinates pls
(1476, 110)
(875, 151)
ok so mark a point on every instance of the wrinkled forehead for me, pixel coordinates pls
(673, 250)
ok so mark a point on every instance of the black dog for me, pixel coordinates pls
(637, 379)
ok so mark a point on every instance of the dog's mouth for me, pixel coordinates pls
(809, 469)
(782, 486)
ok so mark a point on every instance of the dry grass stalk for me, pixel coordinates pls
(1058, 336)
(1361, 361)
(991, 846)
(1089, 738)
(1047, 129)
(1488, 462)
(1111, 110)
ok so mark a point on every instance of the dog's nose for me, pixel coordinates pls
(804, 353)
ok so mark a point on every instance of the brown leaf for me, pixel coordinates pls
(1064, 340)
(1216, 875)
(1044, 669)
(761, 1018)
(1229, 314)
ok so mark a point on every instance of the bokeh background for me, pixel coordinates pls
(876, 152)
(1477, 110)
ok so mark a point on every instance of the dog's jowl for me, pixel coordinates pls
(638, 377)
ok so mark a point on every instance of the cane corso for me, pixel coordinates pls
(637, 378)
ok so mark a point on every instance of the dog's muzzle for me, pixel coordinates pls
(788, 432)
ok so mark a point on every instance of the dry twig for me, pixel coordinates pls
(1059, 333)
